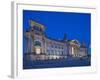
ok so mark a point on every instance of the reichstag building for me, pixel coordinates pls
(41, 47)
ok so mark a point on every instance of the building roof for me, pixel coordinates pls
(58, 40)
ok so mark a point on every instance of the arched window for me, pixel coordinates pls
(37, 43)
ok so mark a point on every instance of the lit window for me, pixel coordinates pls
(55, 46)
(72, 50)
(52, 46)
(62, 52)
(48, 52)
(38, 51)
(62, 47)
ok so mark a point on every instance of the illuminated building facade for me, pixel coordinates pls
(41, 47)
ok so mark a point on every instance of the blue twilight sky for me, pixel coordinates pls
(75, 25)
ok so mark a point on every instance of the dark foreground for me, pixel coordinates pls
(69, 62)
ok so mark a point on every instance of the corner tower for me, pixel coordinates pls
(37, 37)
